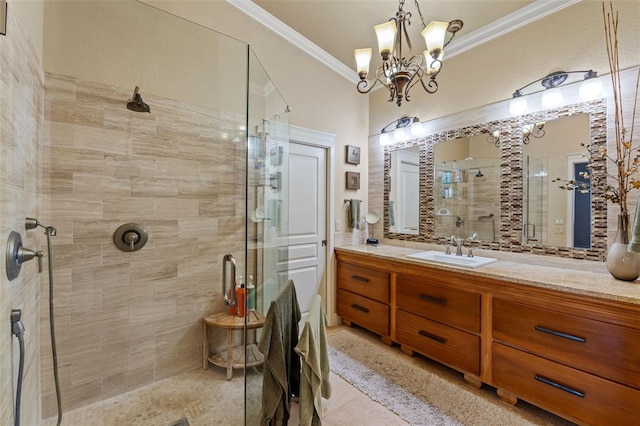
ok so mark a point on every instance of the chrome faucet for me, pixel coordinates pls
(458, 243)
(472, 238)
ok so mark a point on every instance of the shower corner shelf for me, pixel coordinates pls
(233, 357)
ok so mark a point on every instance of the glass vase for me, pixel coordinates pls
(622, 264)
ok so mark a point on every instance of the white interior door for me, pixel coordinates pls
(307, 221)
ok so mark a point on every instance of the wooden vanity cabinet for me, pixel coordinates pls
(571, 354)
(363, 297)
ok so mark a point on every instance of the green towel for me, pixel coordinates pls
(281, 373)
(314, 381)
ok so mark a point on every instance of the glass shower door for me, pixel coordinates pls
(266, 214)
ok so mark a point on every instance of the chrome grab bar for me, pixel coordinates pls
(229, 301)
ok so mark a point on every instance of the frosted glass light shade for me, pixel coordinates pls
(551, 97)
(363, 59)
(591, 89)
(434, 34)
(416, 129)
(385, 139)
(518, 106)
(386, 34)
(432, 66)
(399, 135)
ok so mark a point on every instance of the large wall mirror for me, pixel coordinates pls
(500, 189)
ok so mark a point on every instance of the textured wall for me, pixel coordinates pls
(21, 103)
(127, 319)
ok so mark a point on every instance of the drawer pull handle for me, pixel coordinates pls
(360, 308)
(559, 386)
(432, 336)
(432, 299)
(359, 278)
(560, 334)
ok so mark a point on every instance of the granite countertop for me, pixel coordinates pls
(583, 277)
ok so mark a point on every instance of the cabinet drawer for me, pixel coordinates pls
(368, 313)
(445, 344)
(421, 296)
(563, 390)
(367, 282)
(608, 350)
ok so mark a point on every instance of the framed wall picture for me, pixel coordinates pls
(353, 154)
(353, 180)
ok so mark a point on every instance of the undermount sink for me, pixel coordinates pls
(451, 259)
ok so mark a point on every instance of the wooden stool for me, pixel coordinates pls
(233, 357)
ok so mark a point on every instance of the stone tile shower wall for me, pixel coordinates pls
(128, 319)
(21, 133)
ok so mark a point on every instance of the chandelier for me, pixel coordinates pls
(399, 72)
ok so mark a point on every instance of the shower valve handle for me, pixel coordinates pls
(131, 238)
(25, 254)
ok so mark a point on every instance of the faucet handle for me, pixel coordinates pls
(473, 237)
(470, 253)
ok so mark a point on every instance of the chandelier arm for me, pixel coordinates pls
(450, 40)
(362, 86)
(432, 86)
(412, 82)
(433, 64)
(406, 35)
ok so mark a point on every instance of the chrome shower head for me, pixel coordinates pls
(136, 103)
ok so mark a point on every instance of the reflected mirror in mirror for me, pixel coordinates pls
(467, 188)
(552, 216)
(372, 218)
(404, 196)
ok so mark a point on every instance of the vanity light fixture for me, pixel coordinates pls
(590, 89)
(403, 129)
(400, 71)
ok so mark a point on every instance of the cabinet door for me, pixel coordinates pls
(364, 281)
(608, 350)
(455, 348)
(432, 299)
(571, 393)
(368, 313)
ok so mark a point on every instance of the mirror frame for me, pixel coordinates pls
(511, 182)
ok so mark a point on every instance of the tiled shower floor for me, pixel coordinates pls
(205, 398)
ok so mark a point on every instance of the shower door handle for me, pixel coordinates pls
(229, 296)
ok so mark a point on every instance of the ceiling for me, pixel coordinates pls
(330, 30)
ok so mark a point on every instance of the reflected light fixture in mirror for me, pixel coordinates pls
(401, 130)
(590, 89)
(532, 130)
(494, 137)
